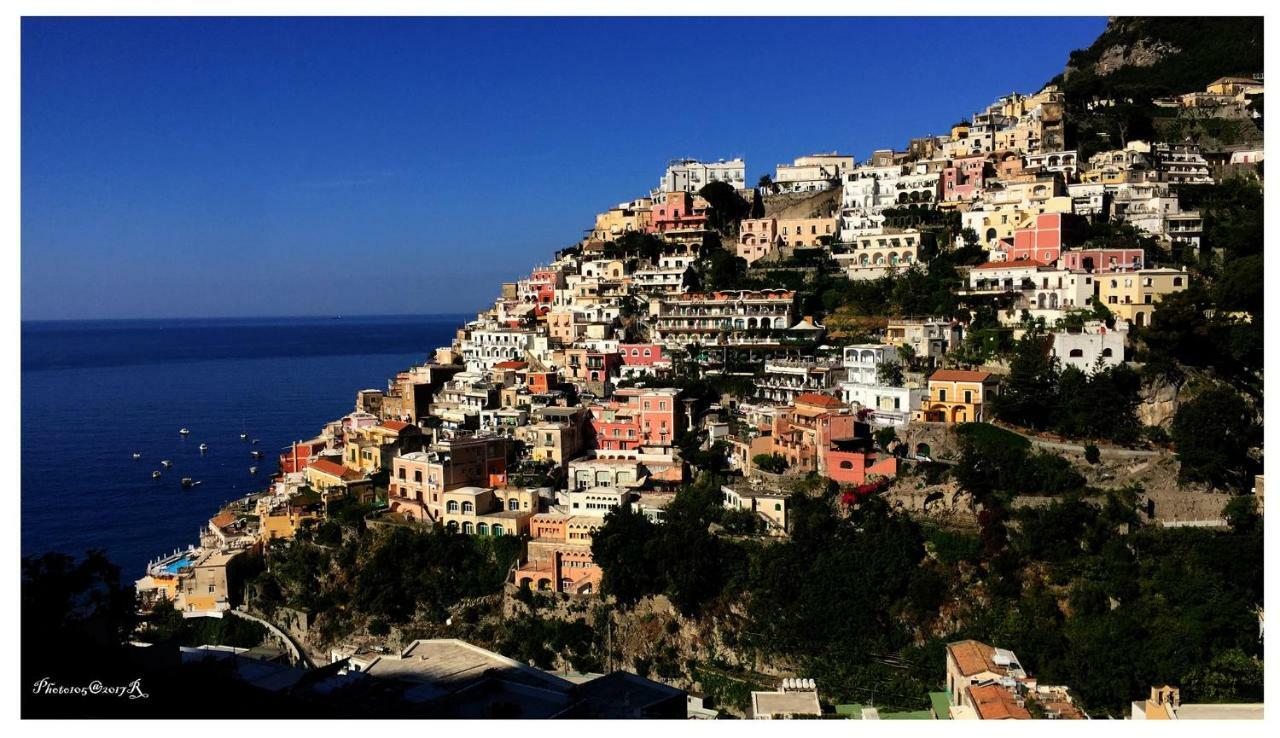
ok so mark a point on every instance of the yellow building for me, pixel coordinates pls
(1132, 296)
(957, 396)
(483, 511)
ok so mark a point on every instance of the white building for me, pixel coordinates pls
(813, 173)
(873, 255)
(691, 175)
(866, 192)
(484, 347)
(1095, 344)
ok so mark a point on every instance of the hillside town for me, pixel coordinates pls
(967, 428)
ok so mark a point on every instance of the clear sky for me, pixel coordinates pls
(242, 167)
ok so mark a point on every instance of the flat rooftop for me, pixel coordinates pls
(785, 703)
(448, 663)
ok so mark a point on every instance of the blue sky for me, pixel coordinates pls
(241, 167)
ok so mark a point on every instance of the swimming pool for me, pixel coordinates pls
(178, 564)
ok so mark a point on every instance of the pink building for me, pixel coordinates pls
(756, 237)
(542, 287)
(1102, 260)
(856, 467)
(963, 180)
(1045, 238)
(636, 417)
(642, 354)
(681, 212)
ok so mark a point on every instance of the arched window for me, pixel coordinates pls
(846, 464)
(1077, 353)
(452, 506)
(468, 528)
(1106, 353)
(482, 529)
(468, 507)
(497, 529)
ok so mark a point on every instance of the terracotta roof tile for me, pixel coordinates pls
(993, 702)
(324, 466)
(818, 400)
(1008, 264)
(959, 375)
(973, 657)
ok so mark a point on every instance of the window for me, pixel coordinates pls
(452, 506)
(402, 474)
(777, 507)
(1077, 353)
(467, 507)
(968, 396)
(942, 395)
(417, 477)
(513, 504)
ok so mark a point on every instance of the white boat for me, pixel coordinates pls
(184, 432)
(253, 470)
(204, 447)
(166, 463)
(188, 482)
(155, 475)
(255, 442)
(137, 456)
(244, 436)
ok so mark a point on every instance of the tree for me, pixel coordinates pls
(1091, 454)
(1213, 434)
(772, 463)
(757, 204)
(889, 374)
(725, 207)
(1028, 396)
(620, 548)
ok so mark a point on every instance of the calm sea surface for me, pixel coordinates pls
(93, 393)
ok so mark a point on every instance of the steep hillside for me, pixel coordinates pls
(1150, 57)
(1138, 59)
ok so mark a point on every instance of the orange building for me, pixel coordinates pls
(957, 396)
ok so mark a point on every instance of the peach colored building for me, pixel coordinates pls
(957, 396)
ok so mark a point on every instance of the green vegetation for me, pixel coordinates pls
(1038, 395)
(1213, 434)
(1194, 52)
(388, 576)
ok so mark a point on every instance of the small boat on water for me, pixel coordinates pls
(256, 454)
(166, 463)
(184, 432)
(188, 482)
(253, 470)
(136, 456)
(244, 436)
(204, 447)
(255, 442)
(155, 474)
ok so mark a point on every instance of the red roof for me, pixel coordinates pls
(994, 702)
(1016, 263)
(223, 519)
(395, 425)
(325, 466)
(817, 400)
(959, 375)
(510, 365)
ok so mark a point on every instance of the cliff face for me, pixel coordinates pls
(1159, 56)
(1122, 44)
(1109, 86)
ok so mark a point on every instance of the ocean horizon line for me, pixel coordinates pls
(215, 318)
